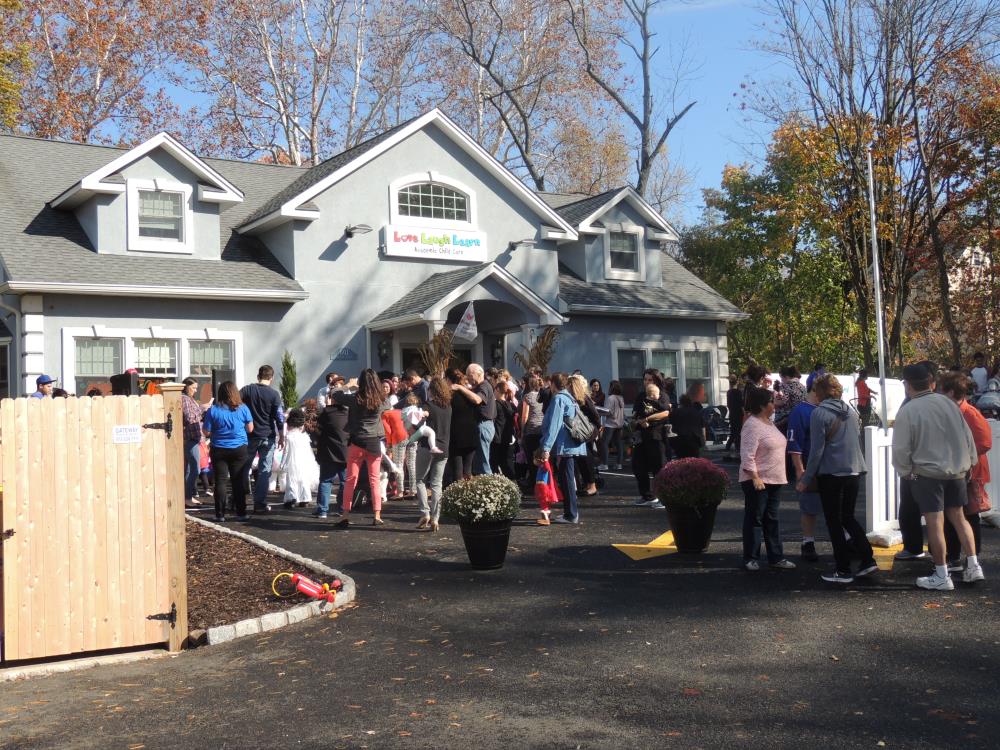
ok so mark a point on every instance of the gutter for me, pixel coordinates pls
(654, 313)
(171, 292)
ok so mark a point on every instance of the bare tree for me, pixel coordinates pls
(512, 73)
(598, 35)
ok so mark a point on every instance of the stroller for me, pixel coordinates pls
(717, 426)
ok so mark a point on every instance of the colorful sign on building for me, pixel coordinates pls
(435, 244)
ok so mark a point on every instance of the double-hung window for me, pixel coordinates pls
(156, 358)
(160, 216)
(96, 360)
(624, 253)
(686, 366)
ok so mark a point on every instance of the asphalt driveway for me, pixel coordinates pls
(571, 644)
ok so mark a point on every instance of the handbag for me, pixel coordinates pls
(579, 427)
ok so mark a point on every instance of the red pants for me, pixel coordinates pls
(355, 458)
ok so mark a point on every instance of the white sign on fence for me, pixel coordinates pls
(130, 434)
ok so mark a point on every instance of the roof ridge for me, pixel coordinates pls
(595, 195)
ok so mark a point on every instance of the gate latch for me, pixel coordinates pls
(7, 534)
(167, 427)
(170, 616)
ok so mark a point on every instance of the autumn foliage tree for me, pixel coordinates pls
(95, 65)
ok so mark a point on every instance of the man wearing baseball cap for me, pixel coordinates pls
(933, 451)
(43, 385)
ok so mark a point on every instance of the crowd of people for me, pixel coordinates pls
(380, 437)
(939, 450)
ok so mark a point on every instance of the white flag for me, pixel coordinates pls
(466, 328)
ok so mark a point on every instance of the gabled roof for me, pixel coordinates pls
(585, 210)
(288, 204)
(45, 249)
(107, 179)
(683, 295)
(431, 298)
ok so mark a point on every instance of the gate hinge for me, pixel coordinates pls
(167, 427)
(7, 534)
(170, 616)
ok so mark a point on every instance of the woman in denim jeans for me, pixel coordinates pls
(430, 466)
(557, 440)
(762, 475)
(191, 414)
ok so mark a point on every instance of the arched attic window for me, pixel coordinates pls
(430, 200)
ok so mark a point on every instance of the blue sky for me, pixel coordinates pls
(719, 36)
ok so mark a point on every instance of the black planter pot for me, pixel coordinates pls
(486, 543)
(692, 527)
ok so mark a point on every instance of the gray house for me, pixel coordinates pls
(155, 259)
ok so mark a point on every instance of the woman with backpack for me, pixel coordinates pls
(562, 416)
(836, 463)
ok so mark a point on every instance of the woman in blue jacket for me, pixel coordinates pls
(557, 441)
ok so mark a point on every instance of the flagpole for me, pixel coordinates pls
(879, 312)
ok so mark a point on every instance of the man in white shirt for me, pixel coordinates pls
(332, 381)
(979, 374)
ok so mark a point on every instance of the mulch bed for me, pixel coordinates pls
(230, 579)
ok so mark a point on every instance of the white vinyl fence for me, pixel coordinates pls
(882, 482)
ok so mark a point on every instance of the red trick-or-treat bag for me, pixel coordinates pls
(546, 490)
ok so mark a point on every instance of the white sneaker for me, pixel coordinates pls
(751, 566)
(643, 502)
(657, 505)
(602, 467)
(971, 575)
(936, 582)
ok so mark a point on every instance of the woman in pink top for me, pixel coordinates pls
(762, 474)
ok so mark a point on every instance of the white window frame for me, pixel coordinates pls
(684, 344)
(438, 179)
(158, 244)
(184, 336)
(617, 274)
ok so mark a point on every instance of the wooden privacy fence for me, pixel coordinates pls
(92, 518)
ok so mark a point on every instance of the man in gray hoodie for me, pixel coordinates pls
(835, 461)
(933, 450)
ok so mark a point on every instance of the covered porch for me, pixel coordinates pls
(507, 313)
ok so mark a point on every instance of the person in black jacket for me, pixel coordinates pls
(689, 428)
(503, 438)
(331, 453)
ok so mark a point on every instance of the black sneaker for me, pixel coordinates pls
(809, 552)
(288, 506)
(955, 566)
(837, 577)
(867, 569)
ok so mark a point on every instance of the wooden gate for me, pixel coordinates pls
(92, 516)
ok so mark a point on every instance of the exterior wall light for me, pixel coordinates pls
(353, 229)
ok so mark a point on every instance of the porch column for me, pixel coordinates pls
(33, 343)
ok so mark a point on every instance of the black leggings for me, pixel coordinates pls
(459, 466)
(839, 496)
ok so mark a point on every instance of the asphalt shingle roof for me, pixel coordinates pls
(324, 169)
(42, 244)
(682, 293)
(576, 208)
(428, 293)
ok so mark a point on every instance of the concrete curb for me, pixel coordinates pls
(9, 674)
(275, 620)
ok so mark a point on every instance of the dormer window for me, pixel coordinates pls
(624, 253)
(159, 216)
